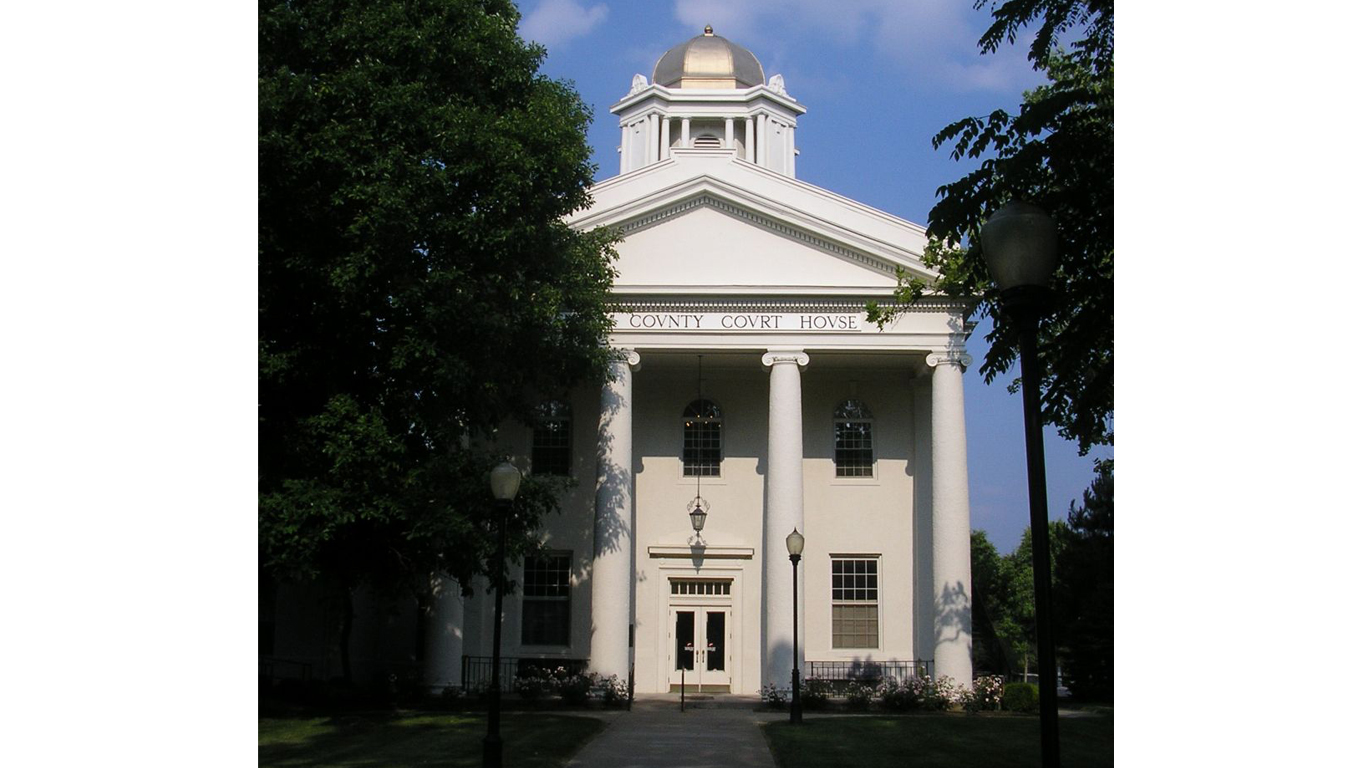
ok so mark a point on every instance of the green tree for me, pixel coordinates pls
(417, 286)
(1003, 598)
(1084, 604)
(1057, 152)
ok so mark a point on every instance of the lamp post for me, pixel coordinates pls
(505, 479)
(795, 543)
(1020, 242)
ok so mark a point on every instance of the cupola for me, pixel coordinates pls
(708, 102)
(708, 61)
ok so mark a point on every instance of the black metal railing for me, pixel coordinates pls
(476, 672)
(871, 672)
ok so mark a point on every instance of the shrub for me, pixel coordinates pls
(774, 697)
(1020, 697)
(613, 690)
(859, 695)
(815, 693)
(533, 683)
(937, 695)
(896, 694)
(574, 689)
(985, 694)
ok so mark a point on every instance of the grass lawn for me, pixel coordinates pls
(930, 741)
(401, 739)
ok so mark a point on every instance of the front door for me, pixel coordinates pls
(700, 648)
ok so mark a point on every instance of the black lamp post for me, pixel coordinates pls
(505, 479)
(1020, 242)
(795, 543)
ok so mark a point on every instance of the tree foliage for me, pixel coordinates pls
(417, 286)
(1084, 605)
(1056, 152)
(1082, 565)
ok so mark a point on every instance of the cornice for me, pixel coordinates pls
(761, 304)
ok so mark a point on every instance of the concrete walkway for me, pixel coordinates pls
(714, 732)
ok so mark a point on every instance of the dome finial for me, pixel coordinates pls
(706, 30)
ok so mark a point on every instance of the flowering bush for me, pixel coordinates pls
(985, 694)
(859, 695)
(534, 682)
(773, 697)
(815, 693)
(613, 690)
(895, 694)
(574, 689)
(937, 695)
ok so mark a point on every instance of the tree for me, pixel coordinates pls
(417, 285)
(1056, 152)
(1003, 599)
(1085, 594)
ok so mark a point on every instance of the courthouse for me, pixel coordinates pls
(748, 383)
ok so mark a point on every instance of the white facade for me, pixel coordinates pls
(727, 256)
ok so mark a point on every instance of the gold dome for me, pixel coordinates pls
(708, 61)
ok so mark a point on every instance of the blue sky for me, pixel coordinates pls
(879, 78)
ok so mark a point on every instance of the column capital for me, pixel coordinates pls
(628, 356)
(953, 357)
(776, 356)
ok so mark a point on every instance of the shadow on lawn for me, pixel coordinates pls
(395, 740)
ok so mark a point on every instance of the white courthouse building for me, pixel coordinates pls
(806, 417)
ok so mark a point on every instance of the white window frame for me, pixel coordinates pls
(876, 558)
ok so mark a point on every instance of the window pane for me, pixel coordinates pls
(545, 599)
(854, 613)
(702, 439)
(551, 440)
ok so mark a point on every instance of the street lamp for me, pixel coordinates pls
(1020, 242)
(504, 480)
(795, 542)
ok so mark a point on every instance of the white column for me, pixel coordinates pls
(445, 635)
(761, 141)
(664, 138)
(730, 133)
(950, 526)
(624, 150)
(608, 649)
(685, 139)
(783, 510)
(749, 139)
(653, 150)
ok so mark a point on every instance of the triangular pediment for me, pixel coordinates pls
(709, 242)
(708, 220)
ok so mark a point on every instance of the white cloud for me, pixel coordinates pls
(932, 42)
(559, 21)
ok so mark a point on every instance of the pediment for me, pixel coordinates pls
(741, 226)
(707, 242)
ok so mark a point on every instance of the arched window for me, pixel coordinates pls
(551, 439)
(853, 440)
(702, 439)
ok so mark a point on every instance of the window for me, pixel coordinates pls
(853, 440)
(702, 439)
(699, 586)
(853, 582)
(707, 142)
(545, 599)
(551, 439)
